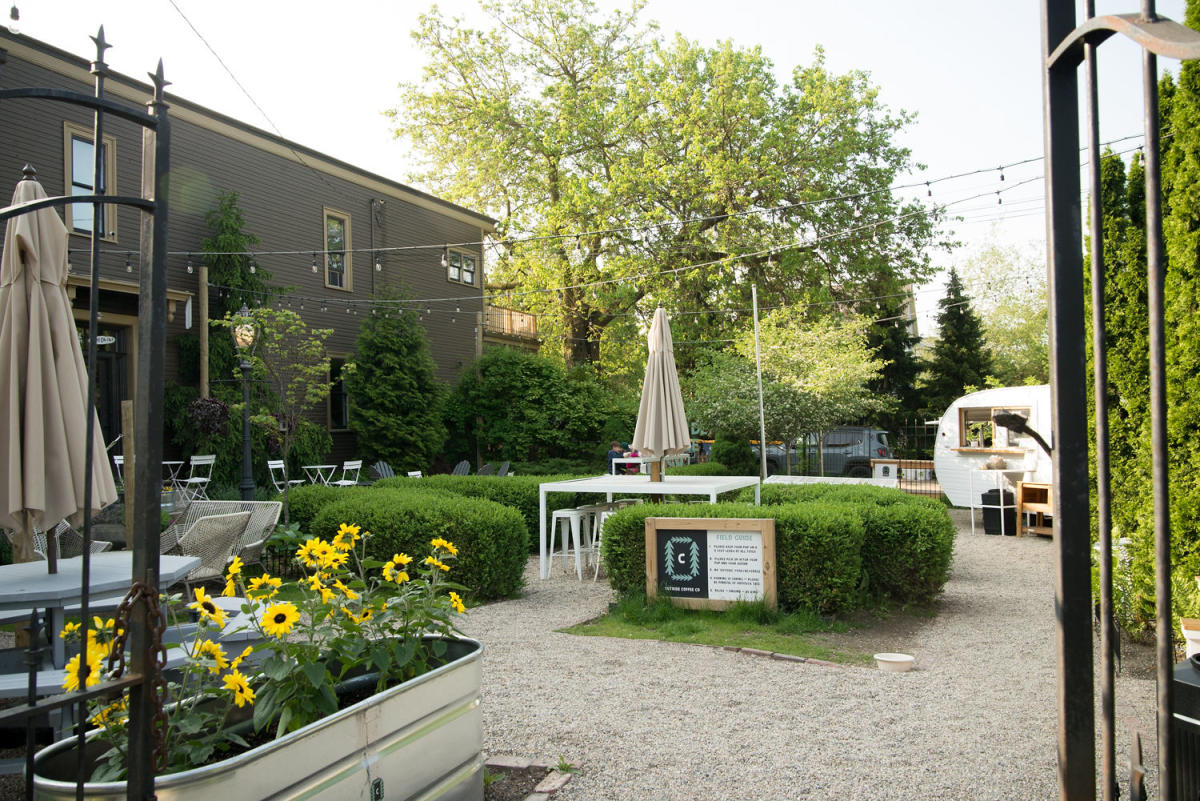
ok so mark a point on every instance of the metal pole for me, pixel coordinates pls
(1155, 273)
(1108, 748)
(762, 421)
(1068, 381)
(247, 485)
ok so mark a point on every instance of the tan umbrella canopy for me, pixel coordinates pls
(43, 430)
(662, 427)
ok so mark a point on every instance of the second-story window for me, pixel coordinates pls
(337, 250)
(79, 157)
(461, 268)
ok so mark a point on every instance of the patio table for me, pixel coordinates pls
(712, 486)
(171, 468)
(319, 473)
(27, 585)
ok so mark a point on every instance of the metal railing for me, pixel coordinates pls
(509, 322)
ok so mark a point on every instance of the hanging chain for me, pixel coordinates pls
(116, 657)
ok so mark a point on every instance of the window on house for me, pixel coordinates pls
(339, 399)
(79, 167)
(337, 250)
(461, 268)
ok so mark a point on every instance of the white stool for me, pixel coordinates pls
(594, 549)
(575, 519)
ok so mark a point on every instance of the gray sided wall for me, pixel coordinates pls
(283, 202)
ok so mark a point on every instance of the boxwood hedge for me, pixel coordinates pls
(490, 537)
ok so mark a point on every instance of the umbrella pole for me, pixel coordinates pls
(656, 470)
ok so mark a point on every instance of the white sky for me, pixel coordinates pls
(324, 72)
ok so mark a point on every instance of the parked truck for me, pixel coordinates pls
(845, 451)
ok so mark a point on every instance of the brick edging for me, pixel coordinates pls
(553, 781)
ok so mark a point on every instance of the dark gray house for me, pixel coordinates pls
(329, 230)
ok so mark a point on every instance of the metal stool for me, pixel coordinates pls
(575, 518)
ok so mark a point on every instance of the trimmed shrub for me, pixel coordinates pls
(489, 536)
(305, 501)
(817, 549)
(702, 469)
(908, 548)
(519, 492)
(839, 493)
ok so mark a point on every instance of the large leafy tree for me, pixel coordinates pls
(626, 155)
(960, 359)
(395, 397)
(1008, 290)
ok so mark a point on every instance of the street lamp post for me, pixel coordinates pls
(243, 337)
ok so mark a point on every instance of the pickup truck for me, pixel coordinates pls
(848, 451)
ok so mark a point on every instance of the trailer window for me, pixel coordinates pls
(977, 427)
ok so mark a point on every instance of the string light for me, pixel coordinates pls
(189, 264)
(253, 270)
(128, 266)
(378, 264)
(314, 264)
(445, 256)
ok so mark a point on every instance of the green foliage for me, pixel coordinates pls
(307, 500)
(491, 538)
(1007, 287)
(395, 397)
(896, 380)
(522, 407)
(709, 468)
(960, 358)
(554, 467)
(568, 121)
(817, 549)
(735, 453)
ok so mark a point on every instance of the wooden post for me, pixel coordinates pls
(128, 448)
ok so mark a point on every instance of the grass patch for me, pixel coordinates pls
(744, 625)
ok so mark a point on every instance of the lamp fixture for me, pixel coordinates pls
(314, 265)
(243, 332)
(189, 264)
(445, 256)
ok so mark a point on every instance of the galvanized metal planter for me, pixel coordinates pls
(420, 739)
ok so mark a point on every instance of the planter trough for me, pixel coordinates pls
(417, 740)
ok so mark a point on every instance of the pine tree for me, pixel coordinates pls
(960, 359)
(395, 397)
(891, 342)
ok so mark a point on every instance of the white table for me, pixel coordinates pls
(319, 473)
(28, 586)
(640, 461)
(993, 478)
(711, 486)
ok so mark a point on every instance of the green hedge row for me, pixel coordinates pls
(700, 469)
(490, 537)
(835, 551)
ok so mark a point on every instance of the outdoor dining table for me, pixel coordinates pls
(319, 473)
(27, 585)
(710, 486)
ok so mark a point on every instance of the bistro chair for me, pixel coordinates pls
(572, 523)
(195, 486)
(350, 472)
(279, 475)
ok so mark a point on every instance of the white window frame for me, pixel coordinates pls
(346, 252)
(72, 132)
(454, 267)
(1000, 435)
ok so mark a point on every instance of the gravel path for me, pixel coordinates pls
(649, 720)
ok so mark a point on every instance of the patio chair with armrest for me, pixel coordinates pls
(502, 470)
(279, 475)
(195, 486)
(350, 472)
(461, 469)
(488, 469)
(381, 470)
(212, 539)
(70, 542)
(263, 517)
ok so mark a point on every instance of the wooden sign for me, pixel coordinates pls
(711, 563)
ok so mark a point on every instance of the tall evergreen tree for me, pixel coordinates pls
(395, 397)
(960, 358)
(892, 343)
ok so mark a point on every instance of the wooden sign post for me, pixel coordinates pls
(711, 563)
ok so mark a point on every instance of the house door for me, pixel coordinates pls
(111, 378)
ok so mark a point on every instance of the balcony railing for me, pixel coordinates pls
(508, 322)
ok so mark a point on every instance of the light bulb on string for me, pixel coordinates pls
(378, 265)
(128, 266)
(324, 307)
(928, 191)
(314, 264)
(1001, 173)
(445, 256)
(999, 200)
(189, 264)
(253, 270)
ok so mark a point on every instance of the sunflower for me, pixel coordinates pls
(230, 590)
(313, 552)
(91, 670)
(235, 567)
(336, 559)
(69, 629)
(249, 649)
(279, 619)
(359, 618)
(401, 559)
(207, 609)
(264, 586)
(237, 683)
(214, 652)
(444, 545)
(350, 594)
(429, 560)
(457, 603)
(113, 713)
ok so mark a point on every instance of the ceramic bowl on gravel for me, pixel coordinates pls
(894, 663)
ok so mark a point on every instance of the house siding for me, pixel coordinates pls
(283, 190)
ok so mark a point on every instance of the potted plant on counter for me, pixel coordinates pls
(355, 686)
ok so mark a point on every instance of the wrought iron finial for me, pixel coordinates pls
(28, 173)
(160, 82)
(98, 66)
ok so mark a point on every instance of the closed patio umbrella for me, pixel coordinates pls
(662, 427)
(43, 383)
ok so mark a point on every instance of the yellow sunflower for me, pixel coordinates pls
(457, 603)
(313, 552)
(358, 618)
(429, 560)
(91, 670)
(350, 594)
(69, 629)
(264, 586)
(113, 713)
(212, 650)
(235, 567)
(278, 619)
(207, 609)
(240, 687)
(230, 590)
(249, 649)
(445, 545)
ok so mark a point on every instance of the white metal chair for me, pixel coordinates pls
(414, 474)
(195, 486)
(279, 475)
(350, 472)
(119, 464)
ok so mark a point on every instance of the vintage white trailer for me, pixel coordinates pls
(968, 438)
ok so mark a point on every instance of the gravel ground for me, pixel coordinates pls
(648, 720)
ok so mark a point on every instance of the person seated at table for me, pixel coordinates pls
(614, 452)
(633, 469)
